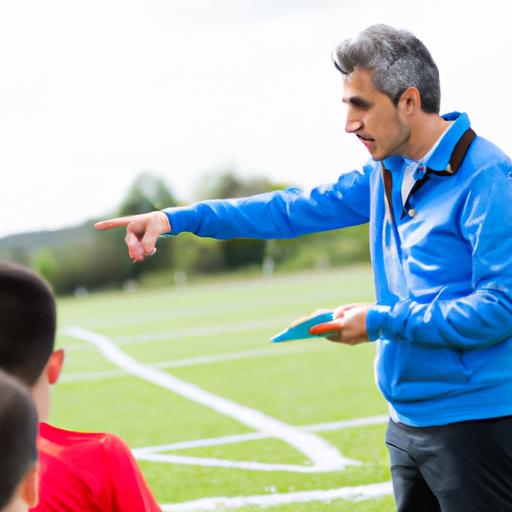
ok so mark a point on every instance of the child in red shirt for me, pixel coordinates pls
(89, 472)
(80, 472)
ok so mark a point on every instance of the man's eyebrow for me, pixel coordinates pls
(357, 101)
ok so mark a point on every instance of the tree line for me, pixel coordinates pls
(78, 259)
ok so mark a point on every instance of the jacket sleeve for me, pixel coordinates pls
(280, 214)
(484, 317)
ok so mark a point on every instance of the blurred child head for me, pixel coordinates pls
(27, 332)
(18, 449)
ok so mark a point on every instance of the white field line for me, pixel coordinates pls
(197, 310)
(205, 330)
(140, 453)
(193, 361)
(191, 332)
(323, 455)
(226, 463)
(267, 500)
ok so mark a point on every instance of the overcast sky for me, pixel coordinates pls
(94, 92)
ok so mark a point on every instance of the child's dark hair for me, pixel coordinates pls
(18, 435)
(27, 322)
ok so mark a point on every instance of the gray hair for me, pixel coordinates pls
(398, 60)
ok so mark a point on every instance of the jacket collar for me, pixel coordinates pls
(439, 160)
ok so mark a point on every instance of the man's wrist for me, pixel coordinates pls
(165, 222)
(376, 318)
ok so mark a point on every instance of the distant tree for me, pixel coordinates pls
(240, 252)
(85, 258)
(148, 192)
(227, 183)
(45, 263)
(195, 255)
(19, 254)
(322, 249)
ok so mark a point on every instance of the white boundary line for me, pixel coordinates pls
(267, 500)
(193, 361)
(189, 332)
(154, 453)
(209, 308)
(323, 455)
(111, 352)
(205, 330)
(255, 436)
(186, 460)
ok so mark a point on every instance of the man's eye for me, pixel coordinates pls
(360, 104)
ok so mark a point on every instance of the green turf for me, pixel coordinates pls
(386, 504)
(300, 383)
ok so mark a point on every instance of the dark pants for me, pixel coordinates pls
(461, 467)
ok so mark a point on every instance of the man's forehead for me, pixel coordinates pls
(356, 96)
(358, 81)
(358, 85)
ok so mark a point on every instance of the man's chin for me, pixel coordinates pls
(377, 155)
(380, 154)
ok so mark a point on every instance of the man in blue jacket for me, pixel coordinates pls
(438, 199)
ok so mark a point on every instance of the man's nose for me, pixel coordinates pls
(352, 124)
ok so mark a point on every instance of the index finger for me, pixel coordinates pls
(118, 222)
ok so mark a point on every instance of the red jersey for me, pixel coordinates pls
(89, 472)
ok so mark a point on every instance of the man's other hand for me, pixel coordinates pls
(142, 232)
(348, 326)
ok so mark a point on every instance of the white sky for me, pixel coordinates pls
(94, 92)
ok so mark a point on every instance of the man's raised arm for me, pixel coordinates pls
(274, 215)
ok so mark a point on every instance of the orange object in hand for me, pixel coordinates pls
(333, 326)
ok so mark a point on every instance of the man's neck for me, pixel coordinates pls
(425, 131)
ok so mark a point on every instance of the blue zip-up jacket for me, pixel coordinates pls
(442, 266)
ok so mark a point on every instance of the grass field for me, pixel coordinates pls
(215, 336)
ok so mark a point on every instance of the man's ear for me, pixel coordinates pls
(55, 365)
(410, 101)
(29, 488)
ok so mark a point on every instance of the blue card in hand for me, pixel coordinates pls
(300, 330)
